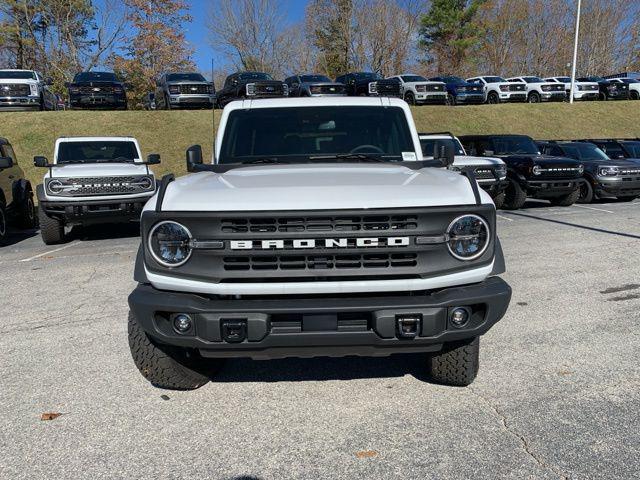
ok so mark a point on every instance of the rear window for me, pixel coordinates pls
(97, 152)
(314, 78)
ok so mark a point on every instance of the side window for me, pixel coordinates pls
(7, 151)
(228, 82)
(556, 151)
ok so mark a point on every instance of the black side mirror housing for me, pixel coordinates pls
(444, 151)
(153, 159)
(6, 162)
(41, 162)
(194, 158)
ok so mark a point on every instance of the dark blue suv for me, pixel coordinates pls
(459, 91)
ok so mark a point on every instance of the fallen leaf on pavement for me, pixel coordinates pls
(366, 454)
(50, 416)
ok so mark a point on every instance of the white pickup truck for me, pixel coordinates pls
(499, 90)
(417, 90)
(25, 90)
(539, 90)
(93, 180)
(318, 231)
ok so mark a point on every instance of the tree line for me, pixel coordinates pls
(140, 39)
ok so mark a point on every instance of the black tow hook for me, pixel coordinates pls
(408, 326)
(234, 331)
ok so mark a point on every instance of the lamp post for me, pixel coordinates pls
(575, 54)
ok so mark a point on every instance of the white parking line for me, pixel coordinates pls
(505, 218)
(592, 208)
(35, 257)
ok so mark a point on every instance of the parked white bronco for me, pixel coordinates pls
(93, 180)
(319, 231)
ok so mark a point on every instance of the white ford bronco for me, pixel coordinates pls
(319, 230)
(93, 180)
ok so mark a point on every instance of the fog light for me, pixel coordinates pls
(182, 323)
(459, 317)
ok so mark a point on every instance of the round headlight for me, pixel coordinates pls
(468, 237)
(169, 244)
(146, 183)
(55, 186)
(536, 170)
(608, 171)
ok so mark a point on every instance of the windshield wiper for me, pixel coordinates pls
(353, 156)
(262, 160)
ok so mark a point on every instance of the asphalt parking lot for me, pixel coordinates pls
(557, 395)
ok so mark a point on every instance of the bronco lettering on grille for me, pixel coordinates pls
(363, 242)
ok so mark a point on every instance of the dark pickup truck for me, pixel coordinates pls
(609, 90)
(360, 84)
(529, 173)
(93, 90)
(603, 176)
(459, 91)
(250, 85)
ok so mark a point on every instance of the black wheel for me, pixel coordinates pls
(493, 98)
(586, 192)
(410, 99)
(27, 214)
(534, 97)
(566, 200)
(3, 224)
(515, 196)
(456, 364)
(629, 198)
(603, 96)
(168, 367)
(451, 100)
(498, 200)
(634, 95)
(51, 229)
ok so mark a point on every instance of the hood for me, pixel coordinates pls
(322, 84)
(318, 187)
(20, 81)
(76, 170)
(543, 160)
(99, 82)
(626, 163)
(464, 160)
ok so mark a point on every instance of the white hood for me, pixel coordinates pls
(317, 187)
(464, 160)
(74, 170)
(19, 81)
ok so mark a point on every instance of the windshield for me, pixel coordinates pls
(583, 151)
(255, 76)
(453, 80)
(185, 77)
(564, 79)
(493, 79)
(413, 78)
(314, 78)
(95, 77)
(365, 75)
(97, 152)
(630, 80)
(291, 134)
(428, 145)
(514, 146)
(632, 148)
(613, 150)
(17, 75)
(533, 79)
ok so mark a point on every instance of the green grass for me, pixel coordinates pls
(170, 133)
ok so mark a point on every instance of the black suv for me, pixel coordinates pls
(530, 174)
(180, 90)
(609, 90)
(313, 86)
(16, 194)
(603, 177)
(618, 149)
(97, 90)
(360, 84)
(250, 85)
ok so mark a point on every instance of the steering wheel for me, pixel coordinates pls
(369, 148)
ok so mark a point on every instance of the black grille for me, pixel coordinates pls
(388, 88)
(320, 224)
(516, 88)
(269, 89)
(320, 262)
(15, 90)
(434, 88)
(88, 89)
(101, 186)
(327, 89)
(484, 174)
(194, 89)
(558, 172)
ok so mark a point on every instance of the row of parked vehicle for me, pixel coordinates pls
(105, 179)
(27, 89)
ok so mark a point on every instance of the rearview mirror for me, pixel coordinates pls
(40, 162)
(444, 151)
(194, 158)
(6, 162)
(153, 159)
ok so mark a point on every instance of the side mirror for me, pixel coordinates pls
(6, 162)
(444, 151)
(194, 158)
(40, 162)
(153, 159)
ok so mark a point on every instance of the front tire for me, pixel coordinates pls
(456, 364)
(634, 95)
(498, 200)
(451, 100)
(566, 200)
(515, 196)
(410, 98)
(166, 366)
(51, 229)
(3, 224)
(27, 216)
(586, 192)
(493, 98)
(534, 97)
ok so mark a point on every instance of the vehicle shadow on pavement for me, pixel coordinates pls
(577, 225)
(17, 236)
(104, 232)
(323, 368)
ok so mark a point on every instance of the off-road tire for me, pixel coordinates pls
(634, 95)
(493, 98)
(586, 192)
(566, 200)
(27, 216)
(498, 200)
(515, 196)
(456, 364)
(534, 97)
(51, 229)
(3, 224)
(628, 198)
(410, 98)
(166, 366)
(451, 100)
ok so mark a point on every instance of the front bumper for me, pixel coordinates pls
(95, 211)
(192, 100)
(513, 96)
(554, 96)
(295, 326)
(493, 187)
(585, 95)
(19, 103)
(431, 98)
(552, 187)
(95, 101)
(469, 98)
(623, 187)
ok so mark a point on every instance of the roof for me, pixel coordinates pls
(285, 102)
(95, 139)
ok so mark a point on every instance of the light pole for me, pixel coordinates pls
(575, 54)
